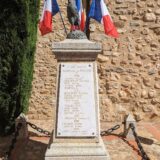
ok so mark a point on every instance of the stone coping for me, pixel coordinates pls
(76, 50)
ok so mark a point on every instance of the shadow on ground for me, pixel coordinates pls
(33, 148)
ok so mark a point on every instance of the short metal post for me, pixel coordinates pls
(23, 133)
(127, 130)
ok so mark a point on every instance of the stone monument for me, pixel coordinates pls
(76, 133)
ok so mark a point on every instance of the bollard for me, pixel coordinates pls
(23, 133)
(127, 130)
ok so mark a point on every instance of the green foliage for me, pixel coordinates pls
(18, 32)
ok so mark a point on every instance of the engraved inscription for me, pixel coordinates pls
(76, 110)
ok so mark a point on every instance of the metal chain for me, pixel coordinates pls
(109, 131)
(142, 152)
(40, 130)
(13, 142)
(103, 133)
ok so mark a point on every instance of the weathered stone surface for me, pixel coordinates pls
(157, 11)
(152, 71)
(147, 81)
(144, 94)
(152, 94)
(155, 101)
(119, 24)
(138, 63)
(145, 31)
(149, 17)
(157, 85)
(157, 31)
(119, 1)
(123, 18)
(147, 108)
(120, 12)
(134, 24)
(102, 58)
(138, 117)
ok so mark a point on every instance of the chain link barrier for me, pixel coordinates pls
(13, 142)
(103, 133)
(142, 152)
(40, 130)
(109, 131)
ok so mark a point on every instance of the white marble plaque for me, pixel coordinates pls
(77, 101)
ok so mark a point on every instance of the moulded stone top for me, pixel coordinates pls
(76, 50)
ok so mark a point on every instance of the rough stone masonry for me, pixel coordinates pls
(129, 67)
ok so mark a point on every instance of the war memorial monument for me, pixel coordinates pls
(76, 134)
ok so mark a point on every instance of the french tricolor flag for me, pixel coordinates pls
(99, 12)
(81, 14)
(50, 9)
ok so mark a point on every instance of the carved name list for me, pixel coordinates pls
(76, 104)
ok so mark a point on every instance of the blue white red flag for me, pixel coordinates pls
(100, 13)
(81, 14)
(50, 9)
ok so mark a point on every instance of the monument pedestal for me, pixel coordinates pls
(77, 151)
(77, 133)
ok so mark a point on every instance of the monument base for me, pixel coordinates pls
(77, 151)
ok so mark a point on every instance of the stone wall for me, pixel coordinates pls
(129, 67)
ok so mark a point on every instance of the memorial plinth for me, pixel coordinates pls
(76, 133)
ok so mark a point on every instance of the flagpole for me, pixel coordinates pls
(63, 22)
(87, 30)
